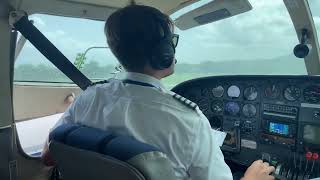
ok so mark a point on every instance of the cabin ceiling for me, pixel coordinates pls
(92, 9)
(164, 5)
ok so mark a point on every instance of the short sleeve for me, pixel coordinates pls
(68, 115)
(207, 159)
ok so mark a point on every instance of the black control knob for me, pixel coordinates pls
(316, 114)
(266, 157)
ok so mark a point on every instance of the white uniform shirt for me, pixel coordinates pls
(153, 116)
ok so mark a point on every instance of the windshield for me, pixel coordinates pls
(315, 10)
(258, 42)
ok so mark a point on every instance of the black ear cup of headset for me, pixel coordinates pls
(162, 55)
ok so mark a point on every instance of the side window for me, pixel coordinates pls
(41, 92)
(82, 41)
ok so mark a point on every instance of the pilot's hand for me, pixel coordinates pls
(259, 170)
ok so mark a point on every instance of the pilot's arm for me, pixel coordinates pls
(207, 159)
(66, 118)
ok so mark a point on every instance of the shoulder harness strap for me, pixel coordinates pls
(185, 101)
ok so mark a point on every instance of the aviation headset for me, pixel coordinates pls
(162, 54)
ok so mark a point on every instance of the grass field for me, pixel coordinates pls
(183, 72)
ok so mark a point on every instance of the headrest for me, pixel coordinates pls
(122, 147)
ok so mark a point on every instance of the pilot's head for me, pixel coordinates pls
(142, 39)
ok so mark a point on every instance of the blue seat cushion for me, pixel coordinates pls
(123, 148)
(61, 132)
(100, 141)
(88, 138)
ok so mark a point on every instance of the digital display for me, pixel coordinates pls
(278, 128)
(311, 134)
(230, 139)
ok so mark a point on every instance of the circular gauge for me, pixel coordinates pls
(234, 91)
(216, 122)
(204, 105)
(250, 93)
(249, 110)
(312, 94)
(272, 92)
(232, 108)
(218, 91)
(292, 93)
(217, 107)
(205, 92)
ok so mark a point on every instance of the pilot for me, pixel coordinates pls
(137, 104)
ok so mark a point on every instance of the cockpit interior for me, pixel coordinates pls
(251, 66)
(269, 117)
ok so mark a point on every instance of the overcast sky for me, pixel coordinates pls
(265, 32)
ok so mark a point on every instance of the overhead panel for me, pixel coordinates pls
(212, 11)
(91, 9)
(107, 3)
(165, 5)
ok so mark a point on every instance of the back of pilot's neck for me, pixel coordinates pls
(154, 75)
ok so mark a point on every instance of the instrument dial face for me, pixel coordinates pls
(312, 94)
(249, 110)
(232, 108)
(218, 91)
(272, 91)
(217, 107)
(204, 105)
(250, 93)
(292, 93)
(205, 92)
(234, 91)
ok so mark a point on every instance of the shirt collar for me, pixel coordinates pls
(141, 78)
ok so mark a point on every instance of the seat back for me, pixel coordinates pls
(88, 153)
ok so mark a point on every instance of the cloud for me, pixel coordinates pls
(264, 32)
(315, 7)
(72, 44)
(317, 22)
(38, 21)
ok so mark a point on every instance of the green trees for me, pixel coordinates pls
(80, 60)
(95, 71)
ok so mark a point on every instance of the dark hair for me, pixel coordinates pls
(133, 31)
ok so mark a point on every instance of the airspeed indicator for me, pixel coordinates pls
(234, 91)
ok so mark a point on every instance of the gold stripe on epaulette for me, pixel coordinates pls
(185, 101)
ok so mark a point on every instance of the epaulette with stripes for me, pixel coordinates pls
(185, 101)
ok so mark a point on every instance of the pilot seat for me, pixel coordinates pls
(84, 153)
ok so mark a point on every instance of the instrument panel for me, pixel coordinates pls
(276, 118)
